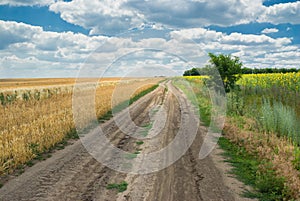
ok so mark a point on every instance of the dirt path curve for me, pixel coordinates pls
(73, 174)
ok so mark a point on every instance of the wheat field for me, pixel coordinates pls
(36, 118)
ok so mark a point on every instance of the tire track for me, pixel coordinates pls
(73, 174)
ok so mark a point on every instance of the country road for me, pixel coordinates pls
(73, 174)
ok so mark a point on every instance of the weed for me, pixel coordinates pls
(139, 142)
(34, 147)
(60, 147)
(107, 116)
(280, 119)
(146, 129)
(121, 187)
(296, 160)
(39, 157)
(131, 156)
(29, 163)
(72, 134)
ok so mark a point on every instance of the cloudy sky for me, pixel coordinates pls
(68, 38)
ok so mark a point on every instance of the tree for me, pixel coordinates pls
(227, 68)
(196, 71)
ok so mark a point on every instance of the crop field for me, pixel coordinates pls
(42, 82)
(36, 114)
(261, 120)
(263, 116)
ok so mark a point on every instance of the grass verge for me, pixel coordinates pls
(123, 105)
(253, 172)
(265, 161)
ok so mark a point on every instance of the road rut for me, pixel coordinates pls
(73, 174)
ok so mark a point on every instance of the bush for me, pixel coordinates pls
(280, 119)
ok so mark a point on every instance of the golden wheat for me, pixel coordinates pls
(33, 126)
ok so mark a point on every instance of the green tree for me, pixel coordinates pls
(226, 68)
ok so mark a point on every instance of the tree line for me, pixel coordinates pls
(245, 70)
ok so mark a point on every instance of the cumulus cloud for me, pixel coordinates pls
(181, 13)
(27, 2)
(110, 17)
(102, 17)
(269, 30)
(13, 32)
(33, 51)
(24, 47)
(113, 17)
(282, 13)
(254, 50)
(202, 35)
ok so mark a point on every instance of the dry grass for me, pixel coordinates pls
(279, 151)
(28, 127)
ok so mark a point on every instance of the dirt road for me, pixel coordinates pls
(73, 174)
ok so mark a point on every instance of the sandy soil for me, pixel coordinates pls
(73, 174)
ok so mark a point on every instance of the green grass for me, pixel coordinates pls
(139, 142)
(121, 187)
(131, 155)
(259, 174)
(29, 163)
(200, 100)
(248, 169)
(146, 129)
(205, 111)
(280, 119)
(143, 93)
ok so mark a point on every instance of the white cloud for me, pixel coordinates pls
(26, 2)
(196, 33)
(269, 30)
(254, 50)
(13, 32)
(282, 13)
(181, 13)
(231, 39)
(114, 17)
(24, 47)
(100, 16)
(31, 51)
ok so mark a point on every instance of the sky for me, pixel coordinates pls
(100, 38)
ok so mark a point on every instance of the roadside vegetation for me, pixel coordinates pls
(262, 132)
(121, 187)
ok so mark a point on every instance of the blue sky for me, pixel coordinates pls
(55, 38)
